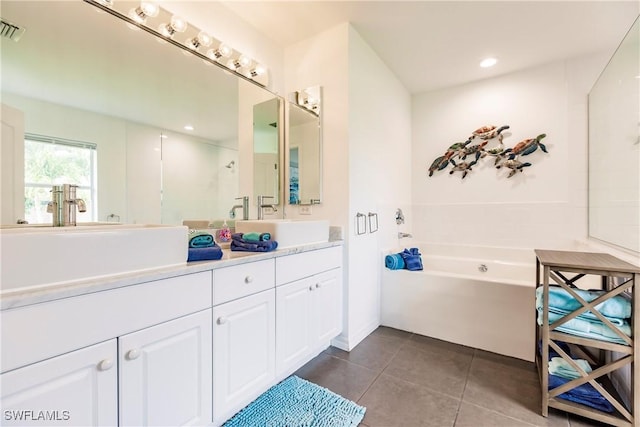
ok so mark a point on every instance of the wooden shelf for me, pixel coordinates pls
(552, 266)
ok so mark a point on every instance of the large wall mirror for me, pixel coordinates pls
(168, 127)
(305, 147)
(614, 148)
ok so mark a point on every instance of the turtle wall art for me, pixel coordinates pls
(487, 143)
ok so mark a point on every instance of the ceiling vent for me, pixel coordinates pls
(11, 31)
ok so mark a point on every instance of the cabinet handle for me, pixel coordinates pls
(248, 279)
(105, 365)
(221, 320)
(133, 354)
(311, 288)
(318, 285)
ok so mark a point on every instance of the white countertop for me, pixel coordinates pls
(38, 294)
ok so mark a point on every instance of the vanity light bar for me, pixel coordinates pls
(195, 40)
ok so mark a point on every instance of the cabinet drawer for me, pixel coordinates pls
(241, 280)
(298, 266)
(36, 332)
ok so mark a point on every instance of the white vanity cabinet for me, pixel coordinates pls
(136, 355)
(165, 373)
(74, 389)
(309, 306)
(243, 336)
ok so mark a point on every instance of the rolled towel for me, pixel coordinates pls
(200, 240)
(412, 259)
(394, 262)
(251, 236)
(265, 237)
(211, 253)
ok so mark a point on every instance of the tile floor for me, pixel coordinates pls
(409, 380)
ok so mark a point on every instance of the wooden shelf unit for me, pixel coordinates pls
(553, 265)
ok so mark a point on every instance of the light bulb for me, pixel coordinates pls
(258, 70)
(225, 50)
(149, 8)
(244, 61)
(203, 39)
(178, 24)
(133, 14)
(231, 64)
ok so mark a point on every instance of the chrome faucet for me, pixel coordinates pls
(244, 206)
(402, 235)
(63, 205)
(262, 205)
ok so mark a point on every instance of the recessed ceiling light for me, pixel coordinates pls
(188, 127)
(488, 62)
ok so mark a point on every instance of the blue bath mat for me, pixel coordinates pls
(298, 403)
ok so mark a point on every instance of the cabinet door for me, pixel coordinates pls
(165, 373)
(79, 388)
(327, 307)
(293, 325)
(244, 352)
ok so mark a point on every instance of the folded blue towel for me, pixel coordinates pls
(584, 394)
(587, 328)
(200, 240)
(394, 262)
(239, 244)
(211, 253)
(412, 259)
(618, 306)
(552, 353)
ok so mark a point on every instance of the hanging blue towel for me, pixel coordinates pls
(394, 262)
(584, 394)
(200, 240)
(412, 259)
(212, 253)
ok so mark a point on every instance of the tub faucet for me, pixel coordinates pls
(402, 235)
(262, 205)
(63, 205)
(244, 206)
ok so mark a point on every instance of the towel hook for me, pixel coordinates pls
(361, 223)
(373, 222)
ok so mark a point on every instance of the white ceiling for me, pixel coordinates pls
(435, 44)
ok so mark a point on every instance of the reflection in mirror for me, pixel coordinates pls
(305, 148)
(266, 144)
(88, 77)
(614, 148)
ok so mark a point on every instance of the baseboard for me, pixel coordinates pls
(347, 343)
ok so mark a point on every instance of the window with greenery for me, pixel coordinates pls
(53, 161)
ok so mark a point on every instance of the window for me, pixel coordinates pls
(52, 161)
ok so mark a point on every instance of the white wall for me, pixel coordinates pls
(545, 205)
(225, 25)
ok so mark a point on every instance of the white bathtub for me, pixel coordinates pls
(453, 300)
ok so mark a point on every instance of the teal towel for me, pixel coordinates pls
(265, 237)
(560, 367)
(200, 240)
(394, 262)
(618, 306)
(251, 236)
(587, 328)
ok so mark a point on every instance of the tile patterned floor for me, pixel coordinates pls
(409, 380)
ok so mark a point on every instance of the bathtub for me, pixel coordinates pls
(481, 297)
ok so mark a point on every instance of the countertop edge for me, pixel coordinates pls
(41, 294)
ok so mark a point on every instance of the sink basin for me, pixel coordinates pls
(34, 256)
(288, 232)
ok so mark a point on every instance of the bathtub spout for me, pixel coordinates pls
(402, 235)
